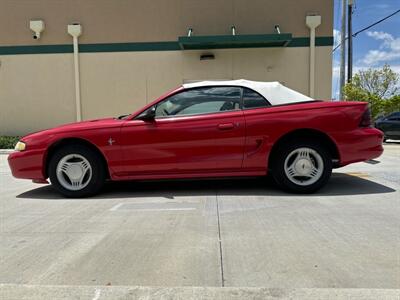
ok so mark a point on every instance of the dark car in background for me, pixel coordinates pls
(390, 125)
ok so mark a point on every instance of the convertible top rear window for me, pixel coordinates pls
(252, 99)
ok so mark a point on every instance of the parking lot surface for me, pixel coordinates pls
(238, 238)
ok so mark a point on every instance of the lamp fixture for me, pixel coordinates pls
(37, 26)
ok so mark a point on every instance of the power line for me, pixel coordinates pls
(366, 28)
(376, 23)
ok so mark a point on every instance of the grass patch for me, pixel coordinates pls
(8, 142)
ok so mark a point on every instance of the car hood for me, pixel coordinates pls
(90, 124)
(77, 127)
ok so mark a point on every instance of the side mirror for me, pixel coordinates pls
(148, 115)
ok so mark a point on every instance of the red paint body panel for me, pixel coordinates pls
(232, 143)
(183, 144)
(31, 163)
(338, 120)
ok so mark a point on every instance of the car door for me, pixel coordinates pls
(196, 130)
(259, 126)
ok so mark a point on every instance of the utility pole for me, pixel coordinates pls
(342, 50)
(350, 46)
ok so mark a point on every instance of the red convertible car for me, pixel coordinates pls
(205, 129)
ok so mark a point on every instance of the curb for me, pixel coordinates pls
(41, 292)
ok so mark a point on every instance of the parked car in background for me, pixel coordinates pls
(202, 130)
(390, 125)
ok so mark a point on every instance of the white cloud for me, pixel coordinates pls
(395, 68)
(375, 57)
(380, 35)
(388, 51)
(336, 37)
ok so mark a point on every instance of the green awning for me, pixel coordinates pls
(234, 41)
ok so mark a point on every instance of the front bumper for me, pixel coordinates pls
(27, 164)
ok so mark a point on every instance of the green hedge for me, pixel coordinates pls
(8, 142)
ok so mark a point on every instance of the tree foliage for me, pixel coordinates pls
(378, 87)
(382, 82)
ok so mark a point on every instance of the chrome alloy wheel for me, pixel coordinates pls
(74, 172)
(304, 166)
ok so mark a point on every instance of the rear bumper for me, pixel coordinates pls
(27, 164)
(360, 145)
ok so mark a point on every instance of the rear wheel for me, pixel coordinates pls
(76, 171)
(302, 166)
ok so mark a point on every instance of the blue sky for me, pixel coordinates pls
(374, 47)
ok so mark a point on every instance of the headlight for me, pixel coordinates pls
(20, 146)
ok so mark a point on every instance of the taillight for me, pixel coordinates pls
(366, 119)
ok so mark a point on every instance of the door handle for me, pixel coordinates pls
(226, 126)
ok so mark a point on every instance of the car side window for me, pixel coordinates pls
(200, 101)
(251, 99)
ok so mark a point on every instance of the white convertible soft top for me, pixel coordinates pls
(275, 92)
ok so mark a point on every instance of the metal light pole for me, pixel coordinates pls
(350, 46)
(342, 51)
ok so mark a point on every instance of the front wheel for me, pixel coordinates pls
(302, 166)
(76, 171)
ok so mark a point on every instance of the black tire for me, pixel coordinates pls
(278, 168)
(98, 171)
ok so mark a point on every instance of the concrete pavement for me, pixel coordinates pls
(231, 236)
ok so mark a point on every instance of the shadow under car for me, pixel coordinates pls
(340, 184)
